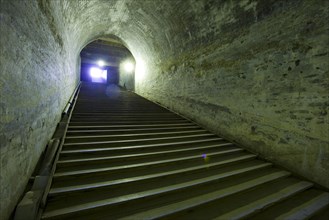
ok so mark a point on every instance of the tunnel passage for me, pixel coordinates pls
(253, 71)
(107, 60)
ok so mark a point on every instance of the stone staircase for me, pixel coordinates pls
(125, 157)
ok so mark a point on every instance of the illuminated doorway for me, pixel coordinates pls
(98, 75)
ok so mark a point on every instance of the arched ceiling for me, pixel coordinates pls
(109, 50)
(151, 29)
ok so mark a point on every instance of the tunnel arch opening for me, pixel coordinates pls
(107, 59)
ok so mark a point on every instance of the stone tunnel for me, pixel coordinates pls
(252, 71)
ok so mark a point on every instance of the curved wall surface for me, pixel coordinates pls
(255, 72)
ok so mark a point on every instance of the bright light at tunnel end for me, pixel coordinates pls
(128, 66)
(97, 73)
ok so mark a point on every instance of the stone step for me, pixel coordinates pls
(127, 158)
(125, 119)
(72, 133)
(69, 212)
(301, 206)
(130, 148)
(81, 144)
(91, 138)
(128, 122)
(142, 169)
(118, 164)
(202, 200)
(228, 164)
(147, 182)
(130, 157)
(269, 199)
(89, 127)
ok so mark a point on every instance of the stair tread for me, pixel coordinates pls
(135, 125)
(183, 205)
(131, 179)
(143, 139)
(106, 202)
(259, 205)
(71, 132)
(308, 209)
(140, 146)
(300, 206)
(143, 164)
(144, 154)
(129, 135)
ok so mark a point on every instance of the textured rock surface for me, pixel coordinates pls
(38, 75)
(255, 72)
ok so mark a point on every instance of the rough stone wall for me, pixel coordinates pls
(254, 71)
(37, 77)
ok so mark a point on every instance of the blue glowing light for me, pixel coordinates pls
(98, 75)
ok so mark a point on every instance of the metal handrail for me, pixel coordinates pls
(34, 200)
(72, 100)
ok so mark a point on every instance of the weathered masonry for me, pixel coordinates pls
(254, 72)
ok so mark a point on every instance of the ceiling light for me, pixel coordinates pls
(101, 63)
